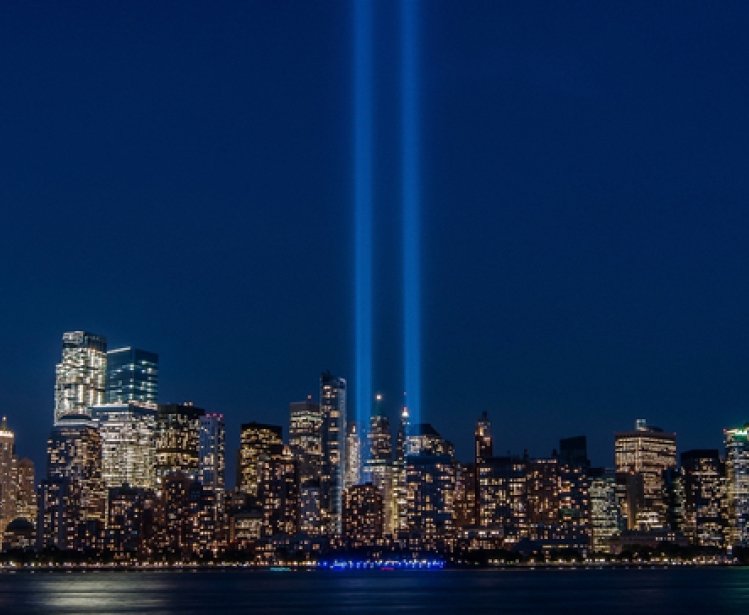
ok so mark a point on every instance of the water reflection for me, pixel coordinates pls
(563, 591)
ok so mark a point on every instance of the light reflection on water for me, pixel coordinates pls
(563, 591)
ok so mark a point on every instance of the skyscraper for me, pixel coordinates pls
(26, 506)
(7, 472)
(737, 474)
(430, 493)
(132, 376)
(80, 377)
(73, 494)
(378, 464)
(353, 457)
(211, 474)
(333, 407)
(605, 519)
(704, 494)
(363, 515)
(256, 443)
(128, 444)
(177, 440)
(483, 449)
(305, 439)
(641, 457)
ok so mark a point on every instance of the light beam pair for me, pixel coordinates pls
(363, 182)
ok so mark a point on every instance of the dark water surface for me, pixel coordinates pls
(631, 591)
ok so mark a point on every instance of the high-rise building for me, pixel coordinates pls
(483, 449)
(179, 533)
(177, 440)
(278, 492)
(605, 519)
(256, 443)
(8, 491)
(503, 493)
(430, 496)
(542, 497)
(131, 522)
(26, 505)
(399, 471)
(305, 439)
(573, 452)
(333, 407)
(80, 377)
(353, 457)
(703, 475)
(73, 494)
(212, 454)
(212, 474)
(641, 457)
(128, 444)
(378, 464)
(737, 475)
(363, 516)
(132, 376)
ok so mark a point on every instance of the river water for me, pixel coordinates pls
(609, 591)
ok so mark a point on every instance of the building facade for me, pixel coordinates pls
(80, 377)
(132, 376)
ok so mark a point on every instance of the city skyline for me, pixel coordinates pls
(189, 189)
(133, 480)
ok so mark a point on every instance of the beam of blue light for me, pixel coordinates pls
(363, 207)
(411, 207)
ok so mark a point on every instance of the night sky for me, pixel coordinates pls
(178, 176)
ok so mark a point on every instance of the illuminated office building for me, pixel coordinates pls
(353, 457)
(399, 472)
(703, 475)
(212, 452)
(256, 442)
(73, 496)
(574, 493)
(132, 376)
(212, 476)
(128, 444)
(430, 498)
(179, 533)
(26, 504)
(641, 458)
(737, 483)
(333, 407)
(363, 516)
(131, 522)
(502, 490)
(483, 449)
(279, 492)
(80, 377)
(8, 490)
(542, 498)
(430, 490)
(378, 465)
(305, 439)
(177, 440)
(605, 519)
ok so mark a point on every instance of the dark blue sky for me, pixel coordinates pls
(179, 176)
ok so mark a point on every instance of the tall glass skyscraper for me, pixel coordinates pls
(333, 407)
(80, 376)
(737, 473)
(128, 444)
(7, 470)
(132, 375)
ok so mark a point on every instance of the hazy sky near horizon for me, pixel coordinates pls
(178, 176)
